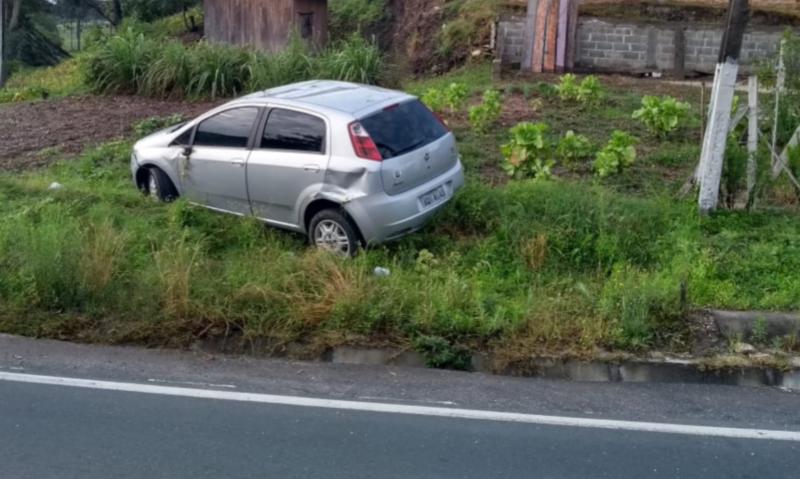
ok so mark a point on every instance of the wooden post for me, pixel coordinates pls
(714, 142)
(572, 35)
(3, 67)
(679, 58)
(561, 41)
(752, 136)
(779, 82)
(530, 35)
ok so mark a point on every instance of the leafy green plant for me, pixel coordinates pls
(440, 353)
(572, 148)
(455, 95)
(434, 99)
(662, 115)
(588, 92)
(618, 154)
(528, 154)
(759, 334)
(156, 123)
(567, 87)
(483, 116)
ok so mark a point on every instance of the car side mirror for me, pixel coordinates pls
(187, 151)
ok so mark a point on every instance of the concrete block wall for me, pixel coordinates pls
(625, 47)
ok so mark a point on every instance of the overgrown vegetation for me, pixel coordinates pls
(662, 115)
(134, 63)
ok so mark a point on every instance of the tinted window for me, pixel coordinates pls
(292, 130)
(229, 129)
(403, 128)
(184, 138)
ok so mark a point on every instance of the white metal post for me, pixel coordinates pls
(2, 43)
(779, 83)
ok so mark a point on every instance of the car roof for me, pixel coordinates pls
(343, 97)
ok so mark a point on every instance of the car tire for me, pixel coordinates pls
(334, 231)
(158, 186)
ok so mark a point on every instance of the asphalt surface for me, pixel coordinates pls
(63, 432)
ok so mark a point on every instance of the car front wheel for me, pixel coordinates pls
(333, 231)
(158, 185)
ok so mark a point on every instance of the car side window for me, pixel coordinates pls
(184, 139)
(294, 131)
(229, 129)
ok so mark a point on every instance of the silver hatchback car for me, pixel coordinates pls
(346, 164)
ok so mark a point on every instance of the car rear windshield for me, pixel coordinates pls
(400, 129)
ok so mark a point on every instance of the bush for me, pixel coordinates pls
(355, 16)
(217, 70)
(572, 148)
(662, 115)
(529, 153)
(121, 64)
(618, 154)
(485, 115)
(156, 123)
(588, 92)
(453, 97)
(354, 60)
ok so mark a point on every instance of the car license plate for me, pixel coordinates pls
(433, 197)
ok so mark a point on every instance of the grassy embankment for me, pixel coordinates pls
(567, 266)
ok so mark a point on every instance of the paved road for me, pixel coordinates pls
(56, 431)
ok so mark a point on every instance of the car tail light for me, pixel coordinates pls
(362, 143)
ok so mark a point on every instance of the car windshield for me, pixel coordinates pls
(403, 128)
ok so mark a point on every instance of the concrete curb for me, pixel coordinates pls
(666, 370)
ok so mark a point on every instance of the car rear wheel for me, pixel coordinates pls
(333, 231)
(158, 186)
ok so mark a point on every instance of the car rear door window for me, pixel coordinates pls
(400, 129)
(229, 129)
(294, 131)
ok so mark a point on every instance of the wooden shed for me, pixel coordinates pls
(265, 24)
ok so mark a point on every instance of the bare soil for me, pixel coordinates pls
(69, 125)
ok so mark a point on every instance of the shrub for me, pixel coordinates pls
(528, 153)
(153, 124)
(216, 70)
(434, 99)
(121, 64)
(169, 73)
(355, 16)
(294, 63)
(618, 154)
(572, 147)
(354, 60)
(455, 95)
(483, 116)
(662, 115)
(588, 92)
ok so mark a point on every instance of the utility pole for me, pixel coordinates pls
(716, 135)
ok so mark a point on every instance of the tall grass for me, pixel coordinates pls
(134, 63)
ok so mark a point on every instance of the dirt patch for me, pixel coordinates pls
(69, 125)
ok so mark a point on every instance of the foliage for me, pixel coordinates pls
(528, 154)
(440, 353)
(355, 16)
(434, 99)
(453, 97)
(618, 154)
(131, 62)
(572, 148)
(662, 115)
(156, 123)
(354, 60)
(588, 92)
(485, 115)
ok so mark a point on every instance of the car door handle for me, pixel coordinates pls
(311, 168)
(237, 162)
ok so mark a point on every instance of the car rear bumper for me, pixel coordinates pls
(384, 217)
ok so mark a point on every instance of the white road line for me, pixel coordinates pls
(374, 407)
